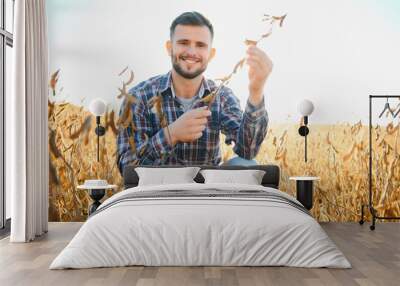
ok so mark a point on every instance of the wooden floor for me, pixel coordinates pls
(375, 256)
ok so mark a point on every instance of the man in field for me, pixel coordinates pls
(187, 131)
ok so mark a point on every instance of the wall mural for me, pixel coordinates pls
(315, 56)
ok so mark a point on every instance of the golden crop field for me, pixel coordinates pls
(338, 154)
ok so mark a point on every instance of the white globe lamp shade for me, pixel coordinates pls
(306, 107)
(97, 107)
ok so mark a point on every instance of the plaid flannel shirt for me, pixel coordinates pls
(247, 129)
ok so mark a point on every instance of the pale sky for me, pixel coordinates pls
(332, 52)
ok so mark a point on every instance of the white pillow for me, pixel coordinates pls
(163, 176)
(249, 177)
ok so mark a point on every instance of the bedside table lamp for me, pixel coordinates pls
(98, 107)
(306, 107)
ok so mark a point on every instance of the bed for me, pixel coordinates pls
(201, 224)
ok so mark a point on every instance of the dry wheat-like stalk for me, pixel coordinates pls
(156, 105)
(53, 81)
(125, 120)
(110, 122)
(272, 20)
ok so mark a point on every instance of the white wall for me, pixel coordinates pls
(334, 52)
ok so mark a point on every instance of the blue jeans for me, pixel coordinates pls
(239, 161)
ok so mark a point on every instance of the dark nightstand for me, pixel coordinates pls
(304, 190)
(96, 192)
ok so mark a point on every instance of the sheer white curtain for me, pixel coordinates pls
(27, 123)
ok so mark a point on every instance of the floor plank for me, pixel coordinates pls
(375, 257)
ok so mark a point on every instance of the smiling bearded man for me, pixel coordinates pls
(187, 60)
(190, 131)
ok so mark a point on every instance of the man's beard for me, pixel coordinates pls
(183, 73)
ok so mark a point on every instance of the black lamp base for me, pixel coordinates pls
(96, 195)
(100, 130)
(303, 130)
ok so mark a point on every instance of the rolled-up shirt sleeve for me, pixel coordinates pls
(247, 129)
(150, 149)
